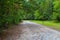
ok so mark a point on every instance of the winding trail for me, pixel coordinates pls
(32, 31)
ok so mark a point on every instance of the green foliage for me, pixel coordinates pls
(13, 11)
(42, 9)
(56, 9)
(37, 9)
(9, 13)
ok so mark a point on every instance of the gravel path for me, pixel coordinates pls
(32, 31)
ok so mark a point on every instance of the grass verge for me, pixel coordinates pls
(50, 24)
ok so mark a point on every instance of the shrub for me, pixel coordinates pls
(8, 13)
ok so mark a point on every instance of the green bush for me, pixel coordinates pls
(9, 13)
(58, 18)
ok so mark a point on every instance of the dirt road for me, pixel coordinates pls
(31, 31)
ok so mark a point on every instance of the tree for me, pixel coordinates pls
(56, 10)
(9, 13)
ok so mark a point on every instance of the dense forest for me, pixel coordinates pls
(13, 11)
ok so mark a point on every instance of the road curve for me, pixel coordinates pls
(33, 31)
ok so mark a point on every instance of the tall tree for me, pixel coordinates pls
(9, 13)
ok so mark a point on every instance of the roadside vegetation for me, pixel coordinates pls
(13, 11)
(50, 24)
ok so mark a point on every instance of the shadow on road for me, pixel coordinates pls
(11, 34)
